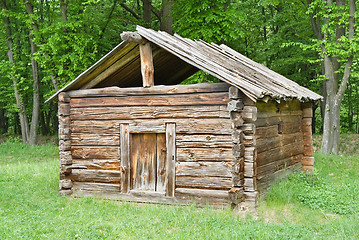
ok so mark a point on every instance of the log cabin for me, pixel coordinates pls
(128, 130)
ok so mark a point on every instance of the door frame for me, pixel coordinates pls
(125, 158)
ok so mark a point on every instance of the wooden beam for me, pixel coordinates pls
(171, 158)
(125, 157)
(132, 37)
(147, 69)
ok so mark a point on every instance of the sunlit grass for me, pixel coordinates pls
(30, 207)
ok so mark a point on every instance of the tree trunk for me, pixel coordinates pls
(35, 76)
(166, 18)
(24, 122)
(147, 6)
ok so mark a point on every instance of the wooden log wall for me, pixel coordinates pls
(65, 183)
(204, 160)
(279, 140)
(308, 159)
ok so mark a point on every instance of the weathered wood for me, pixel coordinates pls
(250, 169)
(94, 175)
(249, 113)
(161, 162)
(170, 158)
(234, 93)
(307, 112)
(277, 165)
(125, 157)
(238, 150)
(263, 121)
(272, 178)
(99, 188)
(236, 119)
(279, 153)
(236, 195)
(65, 184)
(204, 169)
(252, 196)
(155, 90)
(132, 37)
(203, 140)
(264, 144)
(155, 100)
(148, 112)
(204, 154)
(147, 69)
(203, 182)
(250, 184)
(143, 162)
(235, 106)
(189, 126)
(237, 136)
(64, 145)
(98, 152)
(64, 133)
(65, 157)
(249, 141)
(63, 109)
(250, 154)
(102, 164)
(308, 161)
(249, 128)
(90, 139)
(64, 97)
(203, 196)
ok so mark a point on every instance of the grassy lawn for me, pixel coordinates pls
(325, 206)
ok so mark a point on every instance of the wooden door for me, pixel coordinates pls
(148, 162)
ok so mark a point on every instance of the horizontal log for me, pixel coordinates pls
(155, 90)
(250, 184)
(64, 133)
(307, 113)
(264, 144)
(186, 125)
(236, 120)
(236, 195)
(90, 139)
(204, 169)
(203, 140)
(234, 93)
(204, 154)
(64, 97)
(64, 121)
(65, 157)
(249, 141)
(65, 184)
(238, 150)
(267, 181)
(276, 130)
(275, 166)
(308, 161)
(203, 196)
(250, 154)
(63, 109)
(98, 152)
(235, 106)
(251, 196)
(155, 100)
(307, 150)
(64, 145)
(249, 113)
(250, 169)
(132, 37)
(273, 120)
(279, 153)
(237, 136)
(101, 164)
(92, 175)
(203, 182)
(307, 168)
(100, 188)
(249, 128)
(148, 112)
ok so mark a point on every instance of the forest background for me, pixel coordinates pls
(47, 43)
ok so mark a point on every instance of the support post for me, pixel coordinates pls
(147, 69)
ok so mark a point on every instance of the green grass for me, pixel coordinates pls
(323, 207)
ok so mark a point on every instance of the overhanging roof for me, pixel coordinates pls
(176, 58)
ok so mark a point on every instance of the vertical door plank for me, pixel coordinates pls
(125, 157)
(161, 162)
(171, 158)
(143, 162)
(149, 162)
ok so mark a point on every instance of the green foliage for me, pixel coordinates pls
(333, 188)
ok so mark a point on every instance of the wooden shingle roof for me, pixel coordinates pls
(176, 58)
